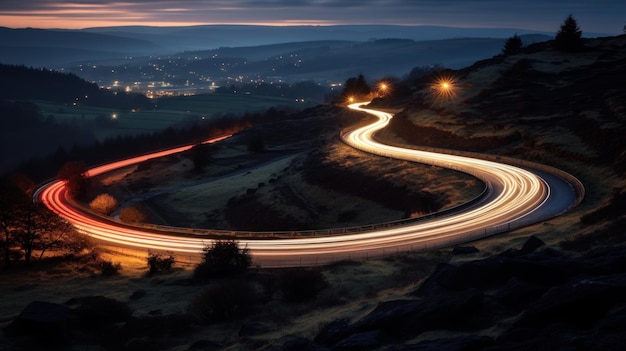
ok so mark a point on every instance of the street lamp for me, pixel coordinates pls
(382, 89)
(444, 88)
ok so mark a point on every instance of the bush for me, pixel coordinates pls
(256, 143)
(108, 268)
(133, 214)
(160, 263)
(223, 302)
(104, 204)
(223, 258)
(298, 285)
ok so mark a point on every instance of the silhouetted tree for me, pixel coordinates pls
(256, 143)
(74, 173)
(29, 227)
(12, 201)
(40, 230)
(569, 36)
(512, 46)
(223, 258)
(160, 262)
(200, 155)
(356, 87)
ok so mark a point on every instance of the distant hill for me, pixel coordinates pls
(26, 132)
(215, 36)
(38, 47)
(23, 83)
(55, 48)
(319, 61)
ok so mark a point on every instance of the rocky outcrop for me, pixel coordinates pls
(536, 299)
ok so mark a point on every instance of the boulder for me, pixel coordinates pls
(461, 343)
(464, 250)
(579, 304)
(517, 293)
(450, 311)
(42, 320)
(334, 331)
(532, 244)
(364, 341)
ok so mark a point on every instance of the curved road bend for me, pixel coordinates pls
(517, 198)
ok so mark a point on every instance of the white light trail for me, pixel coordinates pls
(514, 194)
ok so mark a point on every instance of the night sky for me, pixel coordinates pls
(599, 16)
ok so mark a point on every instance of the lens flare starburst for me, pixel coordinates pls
(444, 88)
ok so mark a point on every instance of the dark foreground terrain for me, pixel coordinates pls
(558, 285)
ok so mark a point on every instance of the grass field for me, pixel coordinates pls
(168, 111)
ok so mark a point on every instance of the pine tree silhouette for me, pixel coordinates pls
(569, 37)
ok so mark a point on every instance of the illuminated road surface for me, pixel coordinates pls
(516, 198)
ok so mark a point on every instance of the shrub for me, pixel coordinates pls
(299, 285)
(223, 258)
(222, 302)
(160, 263)
(256, 143)
(108, 268)
(104, 204)
(133, 214)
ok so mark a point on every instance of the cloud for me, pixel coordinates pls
(595, 15)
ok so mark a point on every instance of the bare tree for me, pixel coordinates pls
(39, 229)
(28, 228)
(11, 199)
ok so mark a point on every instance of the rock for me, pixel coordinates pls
(137, 294)
(462, 343)
(532, 244)
(206, 345)
(411, 317)
(517, 293)
(438, 282)
(251, 328)
(92, 312)
(547, 267)
(360, 342)
(334, 332)
(42, 320)
(605, 261)
(614, 322)
(464, 250)
(579, 304)
(141, 344)
(293, 343)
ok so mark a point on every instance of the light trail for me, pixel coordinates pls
(514, 194)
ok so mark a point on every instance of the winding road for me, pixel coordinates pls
(516, 197)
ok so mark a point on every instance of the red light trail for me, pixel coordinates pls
(514, 195)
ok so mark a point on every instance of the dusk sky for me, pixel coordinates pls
(599, 16)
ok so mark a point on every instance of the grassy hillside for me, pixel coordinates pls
(556, 285)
